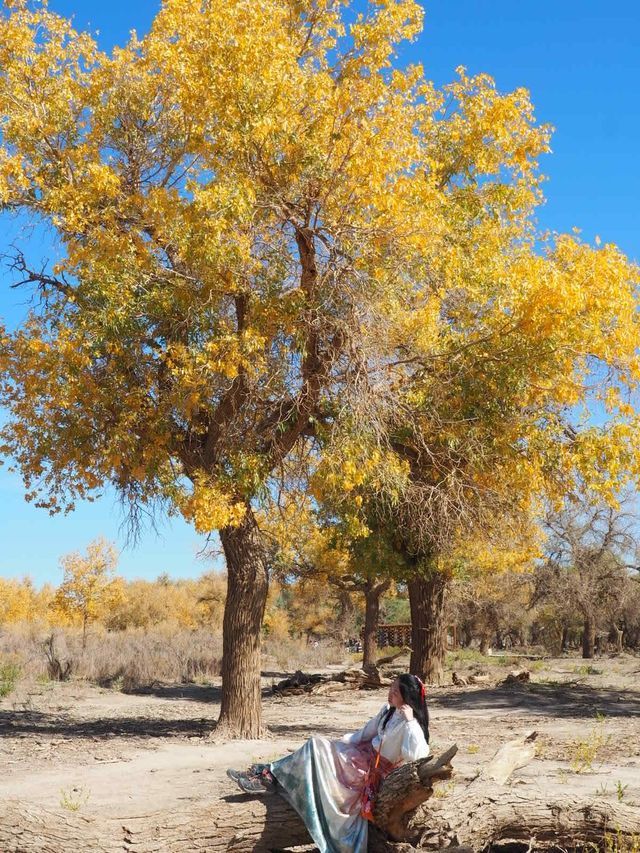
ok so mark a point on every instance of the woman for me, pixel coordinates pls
(325, 780)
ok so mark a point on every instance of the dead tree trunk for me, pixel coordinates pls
(480, 814)
(428, 630)
(486, 812)
(247, 587)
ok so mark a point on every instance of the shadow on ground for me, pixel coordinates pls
(18, 724)
(190, 692)
(21, 723)
(298, 729)
(545, 699)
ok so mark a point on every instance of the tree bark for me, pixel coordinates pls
(588, 638)
(373, 592)
(247, 587)
(480, 814)
(427, 596)
(483, 816)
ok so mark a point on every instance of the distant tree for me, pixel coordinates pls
(591, 550)
(89, 587)
(17, 600)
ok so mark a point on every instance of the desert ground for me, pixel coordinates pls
(103, 753)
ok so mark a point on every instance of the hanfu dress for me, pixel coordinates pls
(324, 779)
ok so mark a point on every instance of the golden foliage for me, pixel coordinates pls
(260, 217)
(89, 588)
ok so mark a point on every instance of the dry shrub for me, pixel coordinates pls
(293, 654)
(138, 657)
(129, 659)
(22, 644)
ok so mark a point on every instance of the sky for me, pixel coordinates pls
(581, 63)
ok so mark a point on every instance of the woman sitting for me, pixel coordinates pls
(332, 783)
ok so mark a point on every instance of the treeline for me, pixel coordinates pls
(591, 603)
(138, 604)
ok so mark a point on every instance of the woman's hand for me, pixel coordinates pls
(406, 711)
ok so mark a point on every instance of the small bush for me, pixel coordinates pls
(464, 656)
(619, 843)
(586, 751)
(9, 675)
(73, 799)
(587, 670)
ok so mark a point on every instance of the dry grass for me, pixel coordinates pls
(290, 654)
(124, 659)
(138, 657)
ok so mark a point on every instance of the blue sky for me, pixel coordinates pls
(581, 63)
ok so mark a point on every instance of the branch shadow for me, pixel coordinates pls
(206, 694)
(305, 730)
(545, 699)
(20, 723)
(279, 813)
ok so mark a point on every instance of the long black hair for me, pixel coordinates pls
(413, 693)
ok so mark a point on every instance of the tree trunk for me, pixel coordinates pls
(428, 630)
(247, 587)
(564, 639)
(373, 591)
(588, 638)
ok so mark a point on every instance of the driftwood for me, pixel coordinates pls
(517, 676)
(483, 812)
(464, 680)
(370, 678)
(348, 679)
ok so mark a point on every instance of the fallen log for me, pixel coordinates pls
(349, 679)
(464, 680)
(298, 683)
(517, 676)
(484, 812)
(487, 812)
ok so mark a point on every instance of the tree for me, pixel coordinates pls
(587, 571)
(519, 335)
(18, 600)
(264, 225)
(318, 543)
(89, 587)
(231, 194)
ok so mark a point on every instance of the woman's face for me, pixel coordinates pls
(395, 697)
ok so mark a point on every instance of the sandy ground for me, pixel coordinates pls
(101, 752)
